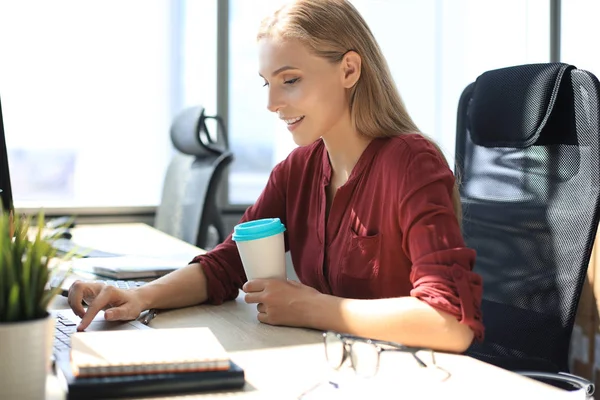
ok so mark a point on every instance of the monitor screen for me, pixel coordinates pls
(5, 188)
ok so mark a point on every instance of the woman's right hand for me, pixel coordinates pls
(119, 304)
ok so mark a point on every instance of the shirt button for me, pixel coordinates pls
(457, 273)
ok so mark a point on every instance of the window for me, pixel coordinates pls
(257, 137)
(579, 27)
(89, 90)
(435, 48)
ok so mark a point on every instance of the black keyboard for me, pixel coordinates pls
(121, 284)
(64, 246)
(65, 327)
(63, 330)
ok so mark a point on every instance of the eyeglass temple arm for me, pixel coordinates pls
(574, 380)
(393, 344)
(413, 351)
(396, 346)
(384, 342)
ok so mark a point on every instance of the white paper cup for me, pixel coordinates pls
(261, 247)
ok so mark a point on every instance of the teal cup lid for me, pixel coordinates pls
(257, 229)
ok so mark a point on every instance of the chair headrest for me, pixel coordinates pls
(510, 107)
(189, 134)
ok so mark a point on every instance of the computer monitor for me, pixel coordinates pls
(5, 188)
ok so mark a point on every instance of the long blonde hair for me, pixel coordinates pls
(331, 28)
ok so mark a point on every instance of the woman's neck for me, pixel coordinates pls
(344, 146)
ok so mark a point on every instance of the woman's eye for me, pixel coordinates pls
(291, 81)
(265, 84)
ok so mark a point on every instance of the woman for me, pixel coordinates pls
(370, 205)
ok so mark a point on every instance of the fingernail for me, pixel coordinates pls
(108, 314)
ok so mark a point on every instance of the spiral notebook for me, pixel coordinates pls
(138, 352)
(148, 385)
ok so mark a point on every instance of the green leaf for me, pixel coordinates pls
(13, 304)
(26, 292)
(4, 235)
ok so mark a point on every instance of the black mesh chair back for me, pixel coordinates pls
(527, 153)
(189, 207)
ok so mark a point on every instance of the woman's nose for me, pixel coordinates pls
(274, 102)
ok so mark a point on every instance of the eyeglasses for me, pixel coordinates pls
(364, 353)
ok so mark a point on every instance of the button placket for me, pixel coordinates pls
(321, 234)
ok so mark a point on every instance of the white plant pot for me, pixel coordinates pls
(25, 349)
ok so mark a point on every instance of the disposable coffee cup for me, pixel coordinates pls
(261, 247)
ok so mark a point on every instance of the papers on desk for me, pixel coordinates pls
(405, 385)
(130, 267)
(348, 385)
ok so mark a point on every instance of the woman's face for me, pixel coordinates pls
(307, 92)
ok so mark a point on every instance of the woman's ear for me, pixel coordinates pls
(351, 67)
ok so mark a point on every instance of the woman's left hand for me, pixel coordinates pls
(281, 302)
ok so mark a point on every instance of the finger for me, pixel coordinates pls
(253, 298)
(122, 313)
(255, 285)
(102, 300)
(261, 308)
(294, 283)
(263, 317)
(75, 297)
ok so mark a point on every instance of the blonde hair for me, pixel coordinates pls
(331, 28)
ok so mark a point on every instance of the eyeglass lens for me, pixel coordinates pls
(334, 350)
(363, 356)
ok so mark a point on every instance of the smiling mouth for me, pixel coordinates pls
(292, 121)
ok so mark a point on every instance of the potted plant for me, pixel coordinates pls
(26, 328)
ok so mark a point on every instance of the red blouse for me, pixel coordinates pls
(391, 229)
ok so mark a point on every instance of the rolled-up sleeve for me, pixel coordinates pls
(452, 289)
(222, 265)
(441, 273)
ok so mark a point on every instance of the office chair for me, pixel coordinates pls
(527, 156)
(188, 209)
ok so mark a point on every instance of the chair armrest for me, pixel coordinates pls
(574, 380)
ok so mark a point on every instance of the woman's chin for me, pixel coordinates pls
(303, 140)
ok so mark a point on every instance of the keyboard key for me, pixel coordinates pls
(66, 322)
(61, 346)
(63, 330)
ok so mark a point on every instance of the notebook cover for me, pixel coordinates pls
(131, 352)
(114, 387)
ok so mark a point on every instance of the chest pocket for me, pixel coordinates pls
(361, 259)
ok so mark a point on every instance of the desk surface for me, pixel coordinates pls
(132, 239)
(282, 362)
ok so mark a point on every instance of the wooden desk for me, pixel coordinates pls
(282, 362)
(132, 239)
